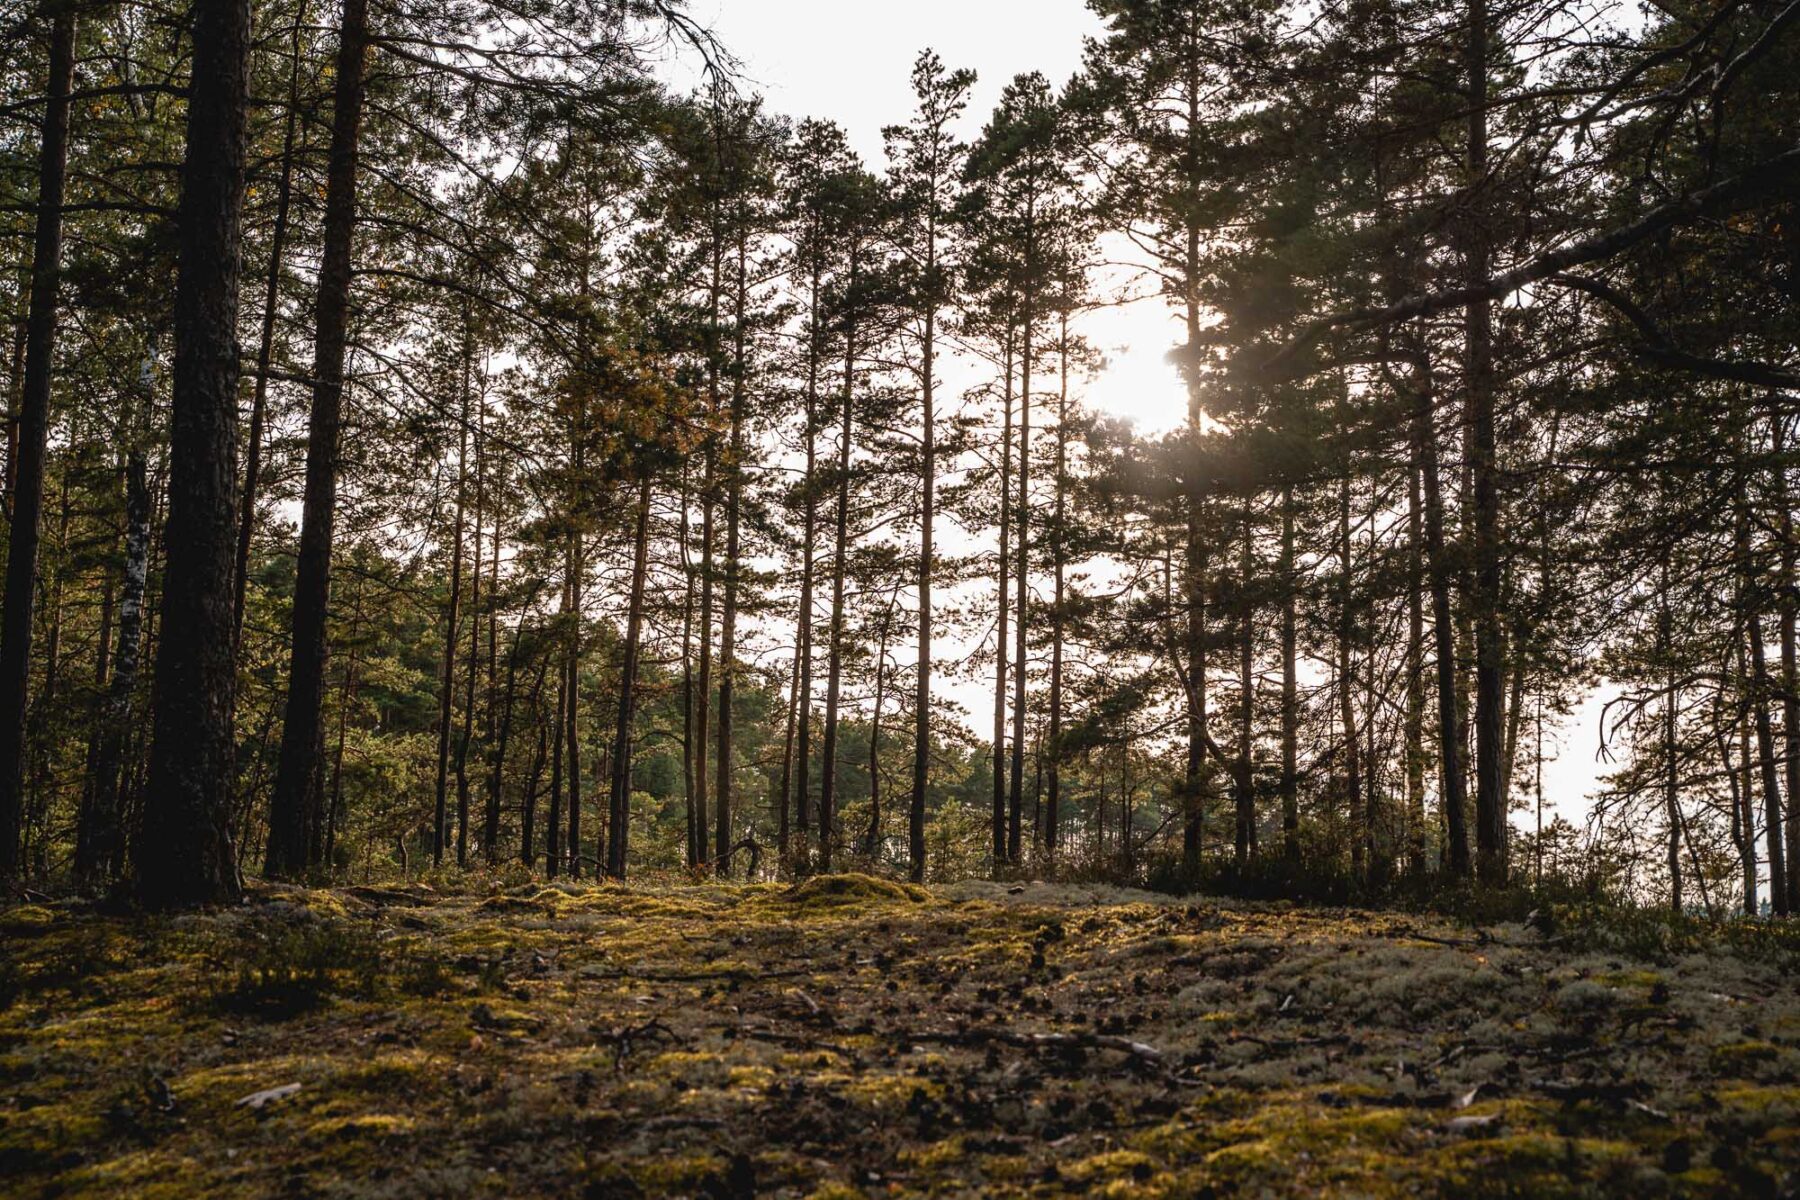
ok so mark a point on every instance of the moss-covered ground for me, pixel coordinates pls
(852, 1037)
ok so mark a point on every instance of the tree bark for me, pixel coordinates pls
(734, 494)
(1059, 555)
(1785, 599)
(1001, 566)
(1346, 679)
(100, 842)
(1490, 635)
(1450, 784)
(183, 853)
(1015, 853)
(265, 348)
(619, 807)
(294, 806)
(835, 647)
(452, 617)
(1244, 776)
(1290, 690)
(27, 464)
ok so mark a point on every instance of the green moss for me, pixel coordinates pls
(1736, 1056)
(26, 920)
(853, 888)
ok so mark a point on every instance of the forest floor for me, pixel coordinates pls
(851, 1037)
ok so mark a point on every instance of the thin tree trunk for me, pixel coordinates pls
(474, 659)
(1059, 554)
(99, 850)
(1671, 748)
(728, 620)
(572, 709)
(1750, 610)
(1451, 793)
(1002, 561)
(1415, 668)
(1790, 658)
(294, 806)
(490, 837)
(440, 827)
(1290, 691)
(692, 847)
(619, 807)
(1022, 582)
(553, 828)
(33, 439)
(921, 767)
(265, 347)
(346, 697)
(1245, 778)
(872, 838)
(1346, 687)
(835, 647)
(1490, 636)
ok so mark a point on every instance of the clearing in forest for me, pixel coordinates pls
(851, 1036)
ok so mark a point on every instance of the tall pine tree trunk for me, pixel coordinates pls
(1451, 790)
(921, 766)
(1244, 777)
(473, 662)
(183, 852)
(27, 463)
(834, 670)
(1059, 555)
(1786, 607)
(295, 804)
(265, 346)
(734, 494)
(1021, 616)
(1490, 636)
(99, 844)
(440, 835)
(572, 709)
(619, 802)
(1001, 566)
(1346, 681)
(1290, 686)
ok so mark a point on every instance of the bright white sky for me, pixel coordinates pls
(850, 63)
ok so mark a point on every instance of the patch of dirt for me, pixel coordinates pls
(853, 1036)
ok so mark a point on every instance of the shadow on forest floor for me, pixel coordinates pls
(857, 1037)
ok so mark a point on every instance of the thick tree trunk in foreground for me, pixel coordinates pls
(183, 852)
(294, 808)
(26, 465)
